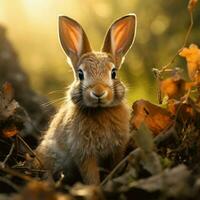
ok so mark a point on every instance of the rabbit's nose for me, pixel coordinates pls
(98, 95)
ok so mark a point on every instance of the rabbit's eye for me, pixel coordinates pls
(80, 74)
(113, 73)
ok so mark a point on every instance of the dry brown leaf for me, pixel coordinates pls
(183, 111)
(176, 182)
(172, 105)
(144, 139)
(38, 190)
(192, 55)
(173, 87)
(10, 132)
(154, 117)
(87, 192)
(8, 91)
(8, 105)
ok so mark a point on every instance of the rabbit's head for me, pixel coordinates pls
(96, 81)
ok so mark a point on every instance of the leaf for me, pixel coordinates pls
(173, 87)
(192, 55)
(154, 117)
(8, 105)
(151, 162)
(10, 132)
(8, 91)
(38, 190)
(143, 138)
(183, 111)
(149, 159)
(173, 182)
(87, 192)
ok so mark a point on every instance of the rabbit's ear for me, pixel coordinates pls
(120, 37)
(73, 39)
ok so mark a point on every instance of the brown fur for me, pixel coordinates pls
(87, 129)
(87, 134)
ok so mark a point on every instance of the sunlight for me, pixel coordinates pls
(31, 4)
(43, 12)
(36, 9)
(2, 11)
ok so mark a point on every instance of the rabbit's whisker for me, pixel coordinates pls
(56, 92)
(54, 101)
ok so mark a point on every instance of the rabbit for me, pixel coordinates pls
(93, 123)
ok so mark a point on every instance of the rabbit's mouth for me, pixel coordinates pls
(98, 102)
(94, 98)
(101, 103)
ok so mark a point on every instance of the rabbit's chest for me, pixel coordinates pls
(100, 139)
(98, 133)
(94, 143)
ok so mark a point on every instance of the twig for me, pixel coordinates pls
(59, 182)
(15, 173)
(184, 44)
(10, 183)
(158, 80)
(29, 120)
(8, 156)
(171, 62)
(165, 67)
(30, 150)
(159, 139)
(30, 169)
(189, 29)
(132, 153)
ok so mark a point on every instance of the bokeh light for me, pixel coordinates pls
(32, 28)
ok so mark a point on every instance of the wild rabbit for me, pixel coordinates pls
(93, 124)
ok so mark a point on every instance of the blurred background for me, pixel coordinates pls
(32, 29)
